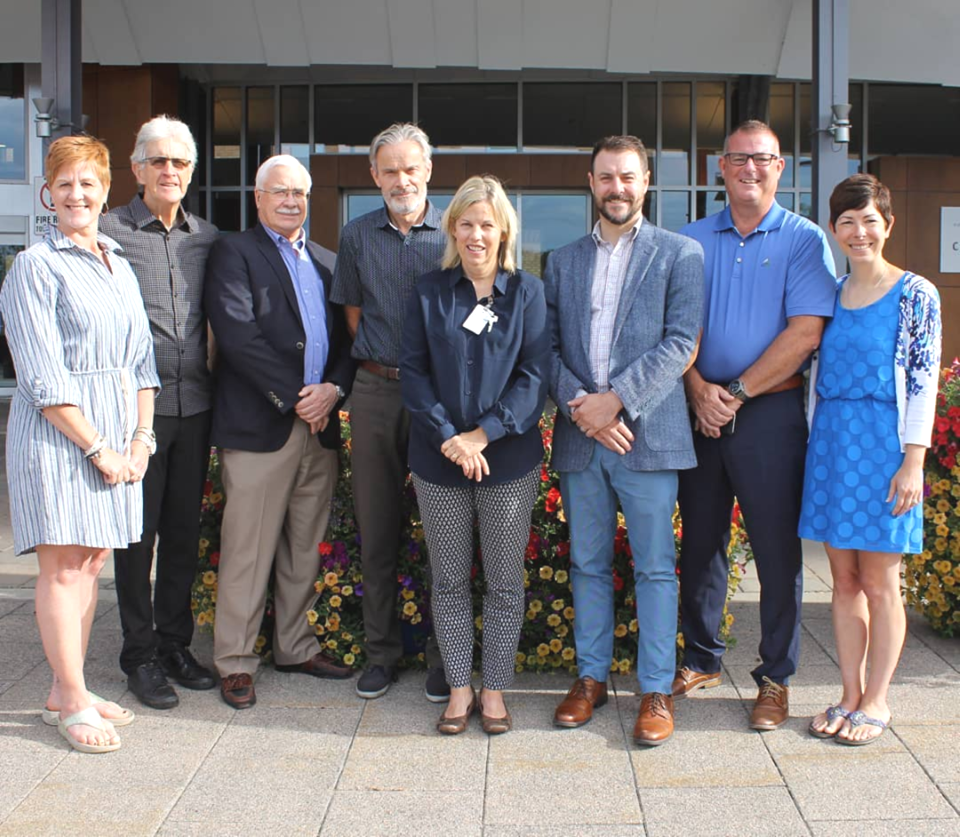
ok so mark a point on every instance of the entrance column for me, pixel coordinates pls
(61, 74)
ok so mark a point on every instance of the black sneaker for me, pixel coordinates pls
(150, 686)
(375, 681)
(437, 689)
(177, 662)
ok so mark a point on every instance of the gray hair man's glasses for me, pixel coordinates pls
(296, 194)
(759, 159)
(160, 163)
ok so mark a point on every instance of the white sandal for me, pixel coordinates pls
(51, 717)
(91, 718)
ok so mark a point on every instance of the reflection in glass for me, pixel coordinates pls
(711, 128)
(226, 211)
(226, 136)
(295, 114)
(570, 114)
(479, 115)
(710, 203)
(7, 254)
(260, 128)
(785, 199)
(353, 114)
(675, 210)
(642, 119)
(782, 120)
(805, 205)
(360, 204)
(13, 118)
(675, 165)
(549, 222)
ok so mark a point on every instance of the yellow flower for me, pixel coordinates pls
(943, 505)
(940, 545)
(416, 619)
(568, 654)
(348, 638)
(349, 659)
(562, 631)
(625, 666)
(478, 622)
(346, 590)
(330, 579)
(335, 601)
(201, 618)
(531, 615)
(409, 609)
(521, 658)
(406, 595)
(312, 617)
(561, 576)
(543, 649)
(209, 578)
(939, 517)
(333, 622)
(728, 619)
(318, 586)
(320, 630)
(260, 642)
(555, 645)
(558, 604)
(568, 613)
(355, 649)
(553, 620)
(546, 572)
(536, 605)
(620, 630)
(332, 644)
(633, 626)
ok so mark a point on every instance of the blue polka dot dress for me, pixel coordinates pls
(854, 448)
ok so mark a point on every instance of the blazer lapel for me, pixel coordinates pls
(644, 250)
(269, 251)
(583, 285)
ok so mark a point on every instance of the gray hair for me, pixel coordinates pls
(400, 132)
(285, 160)
(160, 128)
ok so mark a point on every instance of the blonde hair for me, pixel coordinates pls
(477, 189)
(75, 151)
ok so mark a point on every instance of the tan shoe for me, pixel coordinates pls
(495, 726)
(585, 695)
(688, 681)
(771, 709)
(458, 723)
(655, 720)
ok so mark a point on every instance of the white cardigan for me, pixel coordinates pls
(916, 362)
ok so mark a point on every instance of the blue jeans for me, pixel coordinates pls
(647, 499)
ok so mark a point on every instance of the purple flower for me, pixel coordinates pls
(358, 589)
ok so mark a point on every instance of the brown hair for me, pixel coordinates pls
(751, 126)
(856, 192)
(80, 150)
(621, 142)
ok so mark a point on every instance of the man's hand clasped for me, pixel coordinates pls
(316, 402)
(713, 407)
(598, 417)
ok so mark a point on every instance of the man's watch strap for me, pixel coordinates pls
(737, 390)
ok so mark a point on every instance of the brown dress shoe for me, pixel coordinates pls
(771, 709)
(320, 665)
(458, 723)
(237, 691)
(655, 719)
(688, 681)
(585, 695)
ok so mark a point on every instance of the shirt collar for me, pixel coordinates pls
(499, 284)
(143, 217)
(431, 220)
(62, 242)
(632, 232)
(771, 221)
(280, 240)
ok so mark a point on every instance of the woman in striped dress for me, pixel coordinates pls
(80, 432)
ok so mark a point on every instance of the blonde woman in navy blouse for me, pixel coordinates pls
(80, 432)
(473, 377)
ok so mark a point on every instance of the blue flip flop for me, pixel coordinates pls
(858, 719)
(832, 713)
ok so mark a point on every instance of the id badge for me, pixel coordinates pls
(480, 318)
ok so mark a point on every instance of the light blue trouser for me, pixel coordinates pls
(647, 499)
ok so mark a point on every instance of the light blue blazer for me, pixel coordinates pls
(658, 320)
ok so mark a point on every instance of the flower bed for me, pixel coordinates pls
(546, 640)
(932, 579)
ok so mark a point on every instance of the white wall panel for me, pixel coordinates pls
(282, 32)
(348, 32)
(412, 41)
(632, 33)
(455, 23)
(500, 35)
(565, 33)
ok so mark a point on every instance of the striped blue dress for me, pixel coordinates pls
(78, 335)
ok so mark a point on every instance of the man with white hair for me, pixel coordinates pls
(167, 248)
(283, 369)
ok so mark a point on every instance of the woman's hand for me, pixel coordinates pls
(464, 445)
(475, 467)
(906, 486)
(139, 460)
(115, 467)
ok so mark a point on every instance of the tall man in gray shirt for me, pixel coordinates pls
(167, 248)
(381, 256)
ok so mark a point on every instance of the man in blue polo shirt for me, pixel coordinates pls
(770, 284)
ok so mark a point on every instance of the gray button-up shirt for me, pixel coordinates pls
(377, 268)
(169, 266)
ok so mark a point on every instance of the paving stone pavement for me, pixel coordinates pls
(311, 758)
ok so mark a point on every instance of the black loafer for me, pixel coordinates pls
(149, 685)
(177, 662)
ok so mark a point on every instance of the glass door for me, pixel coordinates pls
(10, 245)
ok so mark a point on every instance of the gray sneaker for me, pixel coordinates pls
(375, 681)
(437, 688)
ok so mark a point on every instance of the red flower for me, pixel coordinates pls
(553, 497)
(617, 581)
(214, 559)
(563, 548)
(544, 476)
(325, 548)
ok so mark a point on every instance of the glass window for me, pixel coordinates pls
(785, 199)
(479, 115)
(295, 114)
(783, 122)
(711, 129)
(260, 128)
(13, 118)
(674, 166)
(676, 210)
(804, 175)
(8, 252)
(360, 204)
(353, 114)
(550, 221)
(642, 119)
(226, 211)
(914, 119)
(710, 203)
(226, 136)
(572, 115)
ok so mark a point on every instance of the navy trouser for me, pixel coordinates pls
(761, 464)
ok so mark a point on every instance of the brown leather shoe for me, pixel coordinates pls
(585, 695)
(495, 726)
(688, 681)
(771, 709)
(237, 691)
(320, 665)
(458, 723)
(654, 720)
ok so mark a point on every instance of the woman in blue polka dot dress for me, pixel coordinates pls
(875, 396)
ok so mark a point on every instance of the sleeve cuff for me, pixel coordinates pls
(493, 427)
(42, 395)
(444, 432)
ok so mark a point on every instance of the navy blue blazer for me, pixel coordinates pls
(253, 311)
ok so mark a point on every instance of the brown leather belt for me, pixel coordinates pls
(792, 382)
(391, 373)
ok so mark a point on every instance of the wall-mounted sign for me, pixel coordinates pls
(43, 213)
(950, 239)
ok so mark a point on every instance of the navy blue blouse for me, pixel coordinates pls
(453, 380)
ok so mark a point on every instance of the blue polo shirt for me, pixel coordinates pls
(753, 283)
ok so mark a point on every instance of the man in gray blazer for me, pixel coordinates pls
(625, 306)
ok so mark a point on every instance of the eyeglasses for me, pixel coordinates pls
(760, 159)
(161, 162)
(296, 194)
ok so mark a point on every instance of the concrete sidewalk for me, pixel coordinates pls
(311, 758)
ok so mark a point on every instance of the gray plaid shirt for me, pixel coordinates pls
(169, 267)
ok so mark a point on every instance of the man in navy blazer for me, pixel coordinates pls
(283, 368)
(625, 306)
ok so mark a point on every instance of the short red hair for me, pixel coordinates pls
(80, 150)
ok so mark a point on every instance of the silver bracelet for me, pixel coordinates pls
(147, 438)
(95, 449)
